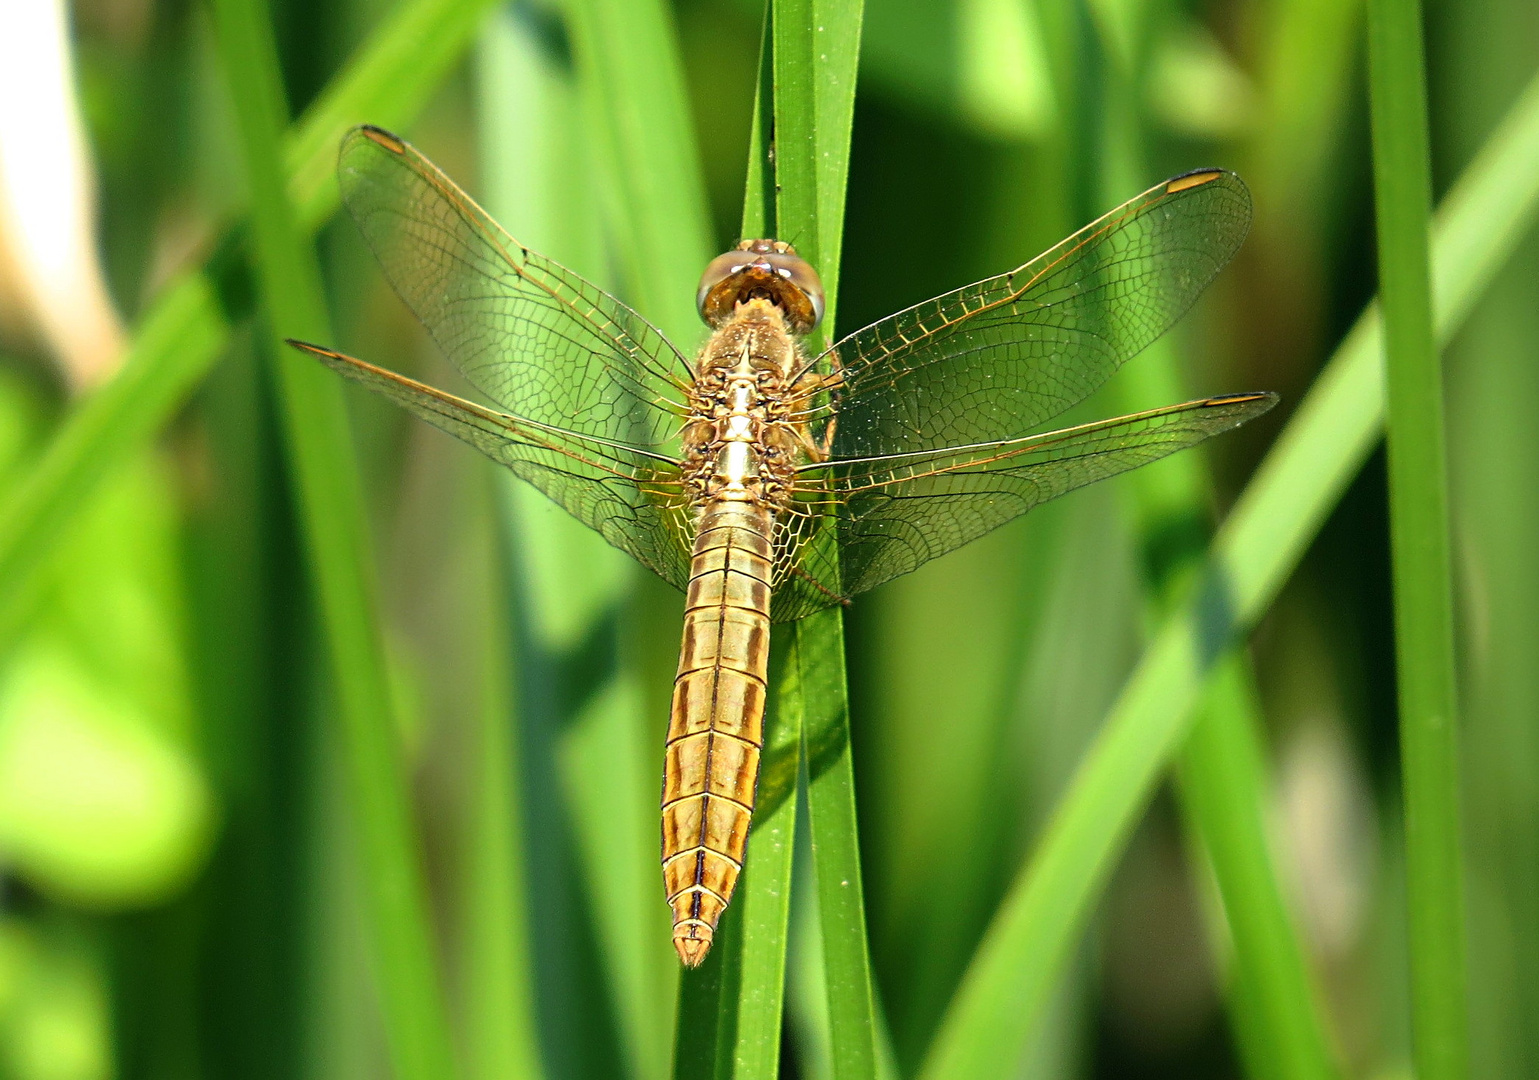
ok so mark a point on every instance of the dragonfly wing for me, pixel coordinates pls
(897, 512)
(806, 572)
(630, 496)
(1001, 357)
(537, 339)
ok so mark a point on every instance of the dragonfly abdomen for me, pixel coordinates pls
(716, 729)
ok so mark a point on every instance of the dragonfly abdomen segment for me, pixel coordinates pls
(716, 728)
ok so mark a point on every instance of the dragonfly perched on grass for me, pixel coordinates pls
(764, 481)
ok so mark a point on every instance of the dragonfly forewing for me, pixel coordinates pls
(537, 339)
(1001, 357)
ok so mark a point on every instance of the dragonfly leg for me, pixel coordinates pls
(814, 449)
(805, 389)
(842, 601)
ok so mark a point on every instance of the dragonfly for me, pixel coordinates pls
(764, 479)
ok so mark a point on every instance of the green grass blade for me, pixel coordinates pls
(631, 79)
(499, 1033)
(1279, 1029)
(1418, 502)
(764, 901)
(1223, 776)
(629, 64)
(385, 83)
(758, 186)
(816, 47)
(536, 177)
(818, 654)
(185, 329)
(336, 531)
(1327, 441)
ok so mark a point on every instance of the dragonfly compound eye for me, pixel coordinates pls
(762, 268)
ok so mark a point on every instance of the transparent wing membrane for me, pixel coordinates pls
(999, 358)
(897, 512)
(631, 497)
(589, 395)
(539, 341)
(927, 413)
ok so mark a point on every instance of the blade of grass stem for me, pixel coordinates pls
(336, 532)
(1419, 541)
(818, 655)
(564, 584)
(1327, 441)
(1222, 770)
(759, 217)
(629, 64)
(592, 845)
(631, 79)
(816, 48)
(386, 82)
(835, 40)
(1279, 1028)
(186, 327)
(499, 1027)
(1222, 773)
(1492, 441)
(766, 903)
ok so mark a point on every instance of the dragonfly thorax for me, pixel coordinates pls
(737, 444)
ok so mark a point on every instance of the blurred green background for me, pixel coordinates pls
(181, 892)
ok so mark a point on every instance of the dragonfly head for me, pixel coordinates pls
(767, 269)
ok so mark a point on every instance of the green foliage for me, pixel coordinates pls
(339, 558)
(1419, 526)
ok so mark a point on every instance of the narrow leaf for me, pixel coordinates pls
(336, 530)
(1419, 541)
(816, 46)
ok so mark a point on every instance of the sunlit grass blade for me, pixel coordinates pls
(631, 81)
(1223, 777)
(1492, 441)
(629, 64)
(500, 1033)
(386, 82)
(816, 48)
(185, 329)
(1280, 1029)
(1427, 697)
(824, 705)
(497, 999)
(336, 530)
(593, 753)
(1423, 574)
(1326, 443)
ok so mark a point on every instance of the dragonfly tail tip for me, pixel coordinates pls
(692, 949)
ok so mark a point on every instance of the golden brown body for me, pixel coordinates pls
(740, 448)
